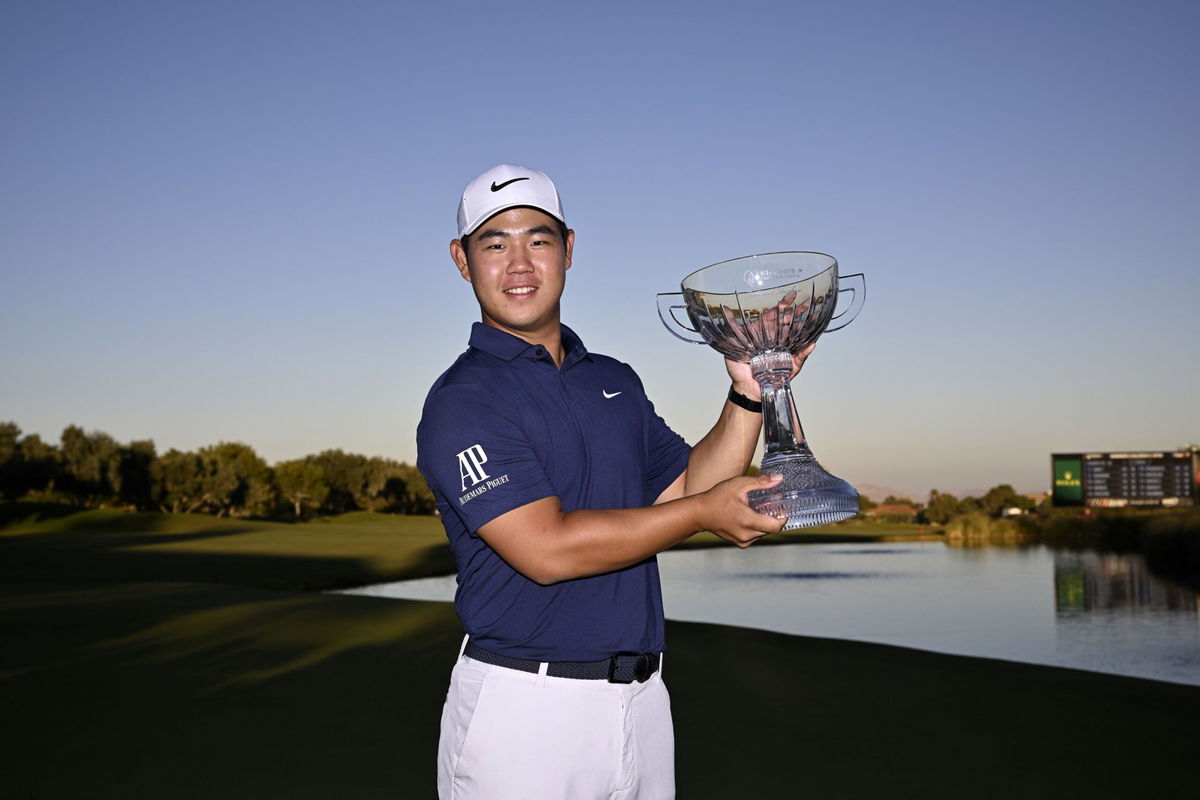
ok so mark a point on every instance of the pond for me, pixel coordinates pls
(1085, 610)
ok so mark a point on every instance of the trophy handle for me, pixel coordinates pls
(857, 288)
(666, 312)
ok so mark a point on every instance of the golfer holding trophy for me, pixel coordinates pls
(557, 483)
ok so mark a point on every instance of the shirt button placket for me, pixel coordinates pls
(570, 403)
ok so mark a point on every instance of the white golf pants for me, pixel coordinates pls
(508, 734)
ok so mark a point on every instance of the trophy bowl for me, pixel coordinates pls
(761, 310)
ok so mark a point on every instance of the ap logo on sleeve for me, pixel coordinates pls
(470, 465)
(470, 469)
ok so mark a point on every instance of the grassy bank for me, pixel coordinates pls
(187, 662)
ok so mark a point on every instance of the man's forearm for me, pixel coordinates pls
(591, 542)
(725, 451)
(547, 545)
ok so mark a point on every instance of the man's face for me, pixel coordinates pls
(516, 262)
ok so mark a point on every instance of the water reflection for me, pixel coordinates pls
(1105, 582)
(1114, 615)
(809, 576)
(874, 551)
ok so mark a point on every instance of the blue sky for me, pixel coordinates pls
(229, 221)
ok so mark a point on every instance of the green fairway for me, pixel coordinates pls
(149, 656)
(349, 550)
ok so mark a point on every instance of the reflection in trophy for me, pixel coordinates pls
(762, 310)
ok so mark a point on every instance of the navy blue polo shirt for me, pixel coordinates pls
(503, 427)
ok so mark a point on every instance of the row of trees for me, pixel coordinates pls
(944, 507)
(92, 469)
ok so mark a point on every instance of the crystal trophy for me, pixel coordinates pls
(762, 310)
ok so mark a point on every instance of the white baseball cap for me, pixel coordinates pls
(506, 186)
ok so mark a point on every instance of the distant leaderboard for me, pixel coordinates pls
(1118, 480)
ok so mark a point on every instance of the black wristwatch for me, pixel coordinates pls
(740, 400)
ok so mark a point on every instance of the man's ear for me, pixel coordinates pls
(459, 254)
(570, 248)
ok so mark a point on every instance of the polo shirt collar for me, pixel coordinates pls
(500, 344)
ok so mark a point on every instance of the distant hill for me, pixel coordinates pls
(877, 493)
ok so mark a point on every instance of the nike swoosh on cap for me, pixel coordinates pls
(609, 396)
(498, 186)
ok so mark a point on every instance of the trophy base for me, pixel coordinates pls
(808, 495)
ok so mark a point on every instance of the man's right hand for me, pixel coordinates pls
(727, 514)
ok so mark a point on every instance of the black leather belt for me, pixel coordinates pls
(618, 668)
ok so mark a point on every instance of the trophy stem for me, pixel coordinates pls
(781, 424)
(808, 495)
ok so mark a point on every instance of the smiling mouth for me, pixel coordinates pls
(521, 290)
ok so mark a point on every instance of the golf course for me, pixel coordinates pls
(187, 656)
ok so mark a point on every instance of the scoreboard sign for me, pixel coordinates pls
(1119, 480)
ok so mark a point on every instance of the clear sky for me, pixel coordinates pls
(229, 220)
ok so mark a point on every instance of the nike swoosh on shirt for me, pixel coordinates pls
(498, 186)
(609, 396)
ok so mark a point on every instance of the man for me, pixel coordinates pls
(557, 485)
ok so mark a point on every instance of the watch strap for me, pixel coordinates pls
(740, 400)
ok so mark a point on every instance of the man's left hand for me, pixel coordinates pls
(743, 379)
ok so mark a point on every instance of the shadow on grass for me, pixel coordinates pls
(198, 691)
(256, 640)
(118, 557)
(28, 513)
(151, 656)
(112, 546)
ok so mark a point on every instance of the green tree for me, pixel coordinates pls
(218, 482)
(10, 459)
(302, 482)
(396, 487)
(134, 466)
(376, 488)
(178, 482)
(91, 466)
(969, 505)
(418, 498)
(348, 476)
(1001, 497)
(238, 481)
(39, 466)
(941, 508)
